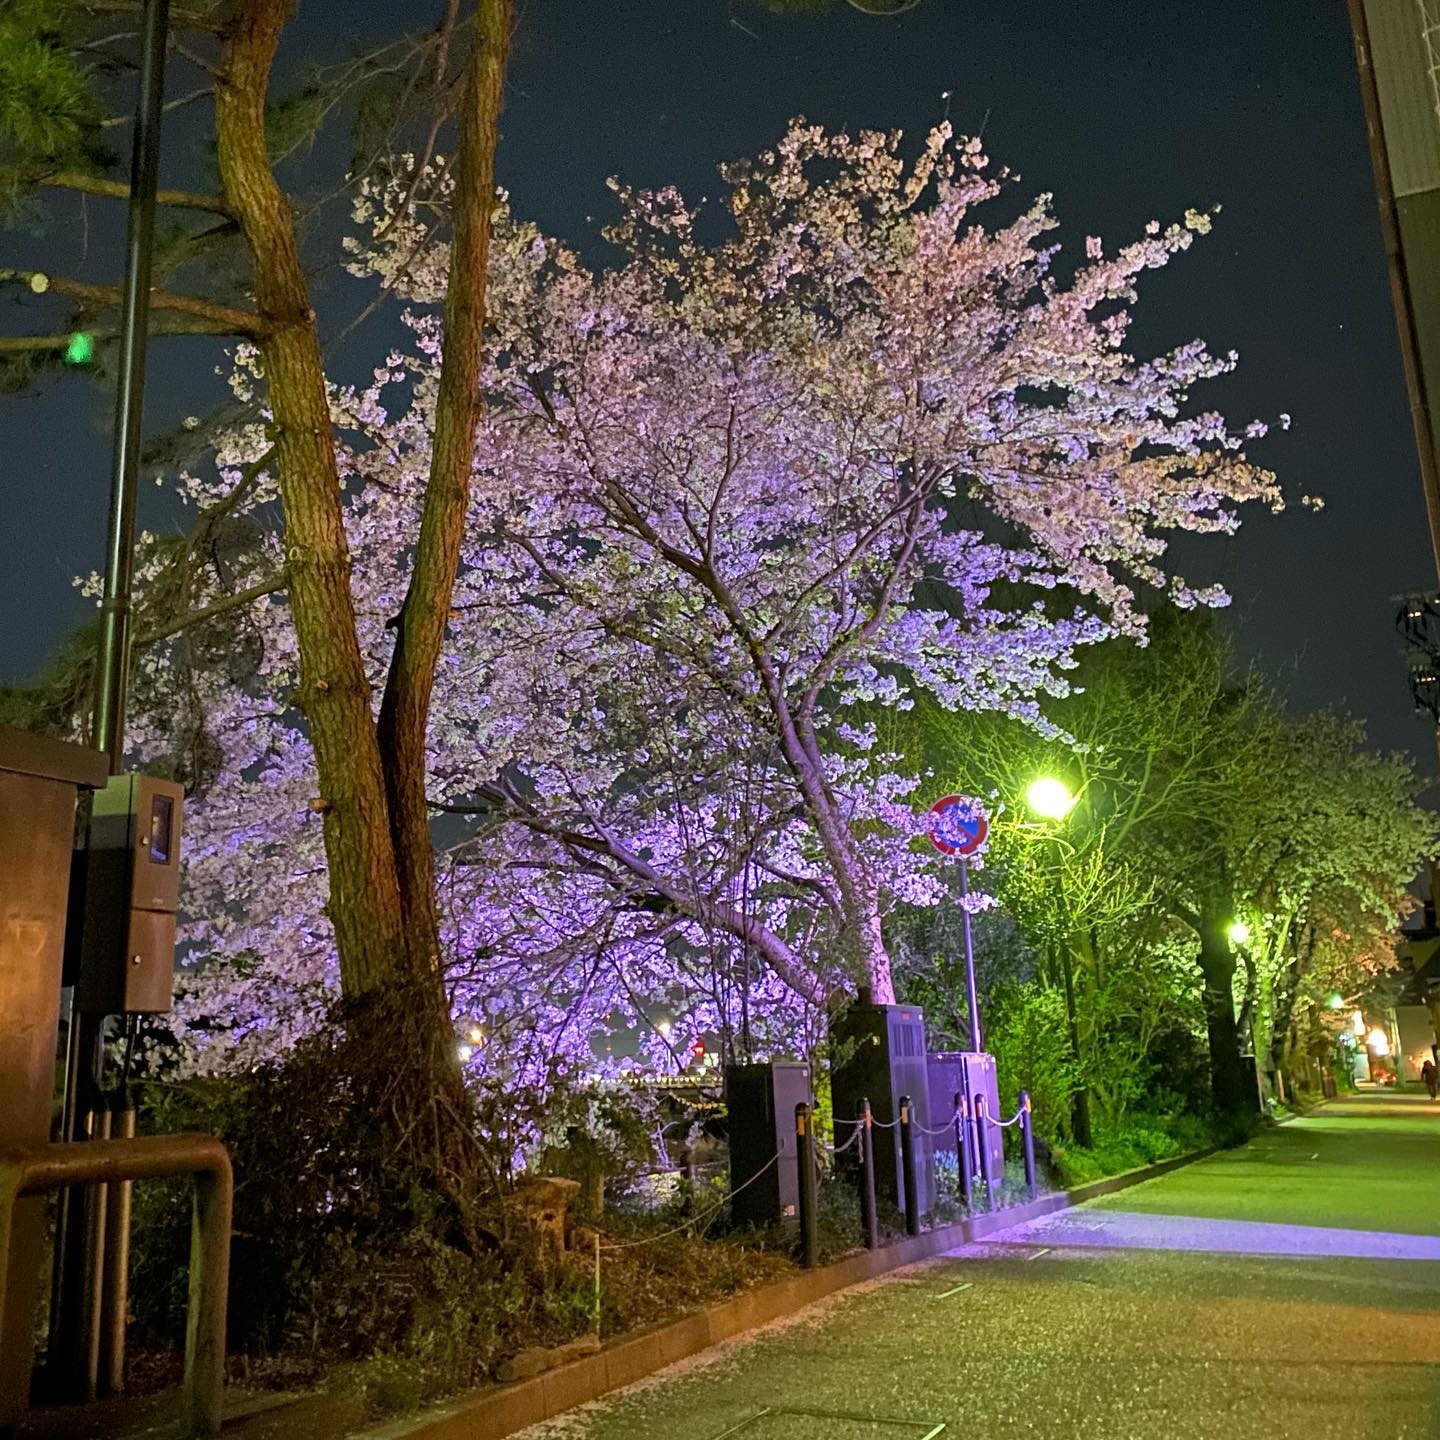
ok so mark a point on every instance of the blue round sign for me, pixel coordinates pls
(958, 826)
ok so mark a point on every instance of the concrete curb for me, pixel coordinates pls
(495, 1411)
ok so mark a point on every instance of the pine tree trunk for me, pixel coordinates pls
(334, 693)
(405, 708)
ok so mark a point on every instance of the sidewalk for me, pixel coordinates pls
(1288, 1288)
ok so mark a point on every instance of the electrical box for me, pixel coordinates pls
(761, 1101)
(39, 783)
(969, 1073)
(882, 1057)
(125, 894)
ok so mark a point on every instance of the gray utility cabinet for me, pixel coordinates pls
(881, 1050)
(124, 898)
(761, 1101)
(970, 1073)
(39, 782)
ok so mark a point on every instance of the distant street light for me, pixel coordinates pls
(1238, 931)
(1337, 1002)
(1050, 799)
(1378, 1041)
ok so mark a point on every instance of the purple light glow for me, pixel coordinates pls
(1128, 1230)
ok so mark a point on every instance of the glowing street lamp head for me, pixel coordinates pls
(1238, 931)
(1337, 1002)
(1050, 798)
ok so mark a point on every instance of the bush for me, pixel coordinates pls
(1146, 1140)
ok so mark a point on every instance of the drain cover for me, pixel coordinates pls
(783, 1422)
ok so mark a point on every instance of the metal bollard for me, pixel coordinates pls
(963, 1156)
(1027, 1136)
(805, 1165)
(982, 1144)
(907, 1166)
(868, 1217)
(115, 1304)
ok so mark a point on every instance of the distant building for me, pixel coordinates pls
(1416, 1021)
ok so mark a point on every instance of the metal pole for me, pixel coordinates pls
(1080, 1100)
(977, 1040)
(907, 1167)
(116, 1270)
(805, 1166)
(962, 1150)
(112, 675)
(1027, 1135)
(85, 1054)
(868, 1215)
(982, 1143)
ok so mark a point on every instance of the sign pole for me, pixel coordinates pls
(959, 828)
(977, 1040)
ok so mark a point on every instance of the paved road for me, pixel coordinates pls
(1289, 1288)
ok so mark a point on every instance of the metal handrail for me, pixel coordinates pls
(40, 1168)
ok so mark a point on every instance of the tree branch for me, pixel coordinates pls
(228, 320)
(209, 612)
(118, 190)
(19, 344)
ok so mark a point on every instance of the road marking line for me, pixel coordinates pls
(948, 1293)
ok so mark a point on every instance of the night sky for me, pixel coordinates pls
(1125, 112)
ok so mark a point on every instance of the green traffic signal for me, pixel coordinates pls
(81, 349)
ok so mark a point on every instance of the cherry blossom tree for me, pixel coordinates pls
(844, 444)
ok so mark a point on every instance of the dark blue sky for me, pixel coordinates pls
(1125, 112)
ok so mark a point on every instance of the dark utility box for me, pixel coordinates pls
(761, 1100)
(125, 893)
(969, 1073)
(882, 1057)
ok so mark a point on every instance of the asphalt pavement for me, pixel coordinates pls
(1287, 1288)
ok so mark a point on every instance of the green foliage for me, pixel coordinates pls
(49, 112)
(1027, 1035)
(1144, 1141)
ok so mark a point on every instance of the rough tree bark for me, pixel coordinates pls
(405, 708)
(334, 692)
(372, 776)
(1228, 1088)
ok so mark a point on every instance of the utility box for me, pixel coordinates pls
(39, 783)
(125, 893)
(970, 1073)
(882, 1057)
(761, 1101)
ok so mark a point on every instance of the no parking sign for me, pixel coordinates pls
(958, 826)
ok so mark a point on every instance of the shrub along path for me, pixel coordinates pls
(1287, 1288)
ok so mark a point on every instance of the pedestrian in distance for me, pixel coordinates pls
(1431, 1078)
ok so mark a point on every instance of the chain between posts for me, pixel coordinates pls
(695, 1219)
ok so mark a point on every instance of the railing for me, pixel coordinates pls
(101, 1162)
(864, 1124)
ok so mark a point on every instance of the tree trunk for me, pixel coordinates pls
(405, 708)
(334, 693)
(1229, 1092)
(854, 885)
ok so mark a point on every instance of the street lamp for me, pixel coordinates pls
(1051, 799)
(1238, 932)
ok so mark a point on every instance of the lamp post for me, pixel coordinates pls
(1237, 932)
(1051, 800)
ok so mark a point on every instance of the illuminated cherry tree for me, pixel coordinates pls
(854, 447)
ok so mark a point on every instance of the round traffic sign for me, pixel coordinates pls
(958, 826)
